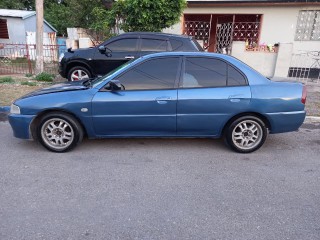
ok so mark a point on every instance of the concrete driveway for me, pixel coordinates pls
(161, 189)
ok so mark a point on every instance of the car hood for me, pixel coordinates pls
(82, 52)
(61, 87)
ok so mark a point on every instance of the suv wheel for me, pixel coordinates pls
(78, 73)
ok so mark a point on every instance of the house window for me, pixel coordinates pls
(3, 29)
(308, 26)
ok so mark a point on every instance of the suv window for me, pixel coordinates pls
(204, 72)
(176, 44)
(158, 73)
(123, 45)
(153, 45)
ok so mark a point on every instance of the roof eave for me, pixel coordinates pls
(248, 3)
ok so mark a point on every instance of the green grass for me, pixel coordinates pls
(29, 75)
(44, 77)
(22, 60)
(27, 83)
(6, 80)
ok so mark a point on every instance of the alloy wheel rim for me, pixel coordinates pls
(79, 75)
(57, 133)
(247, 134)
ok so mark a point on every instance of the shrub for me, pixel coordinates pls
(44, 77)
(27, 83)
(29, 75)
(6, 80)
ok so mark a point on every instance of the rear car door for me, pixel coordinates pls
(118, 52)
(147, 106)
(210, 92)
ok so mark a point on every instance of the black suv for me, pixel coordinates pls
(91, 62)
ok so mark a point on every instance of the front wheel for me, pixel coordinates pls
(246, 134)
(59, 132)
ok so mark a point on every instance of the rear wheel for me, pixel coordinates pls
(78, 73)
(59, 132)
(246, 134)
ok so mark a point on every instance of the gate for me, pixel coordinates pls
(229, 30)
(305, 66)
(224, 37)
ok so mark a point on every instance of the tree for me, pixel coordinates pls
(73, 13)
(18, 4)
(58, 15)
(147, 15)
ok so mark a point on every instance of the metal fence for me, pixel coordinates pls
(21, 58)
(305, 66)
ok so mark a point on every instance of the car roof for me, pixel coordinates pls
(193, 54)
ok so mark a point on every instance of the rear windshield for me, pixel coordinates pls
(197, 45)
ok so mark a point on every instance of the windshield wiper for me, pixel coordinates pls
(88, 82)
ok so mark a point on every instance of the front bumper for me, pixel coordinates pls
(62, 70)
(21, 125)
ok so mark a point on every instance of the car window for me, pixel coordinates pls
(154, 74)
(123, 45)
(176, 44)
(204, 72)
(235, 78)
(153, 45)
(197, 45)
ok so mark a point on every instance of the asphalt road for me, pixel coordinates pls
(161, 189)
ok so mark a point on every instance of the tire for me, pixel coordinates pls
(59, 132)
(78, 73)
(246, 134)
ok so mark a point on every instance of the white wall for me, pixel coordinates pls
(278, 23)
(16, 30)
(263, 62)
(31, 25)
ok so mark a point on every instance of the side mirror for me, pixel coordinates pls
(102, 49)
(114, 85)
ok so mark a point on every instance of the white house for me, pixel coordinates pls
(14, 24)
(253, 30)
(18, 28)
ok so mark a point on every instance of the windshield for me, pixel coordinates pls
(98, 80)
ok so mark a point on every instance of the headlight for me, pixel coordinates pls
(61, 56)
(14, 109)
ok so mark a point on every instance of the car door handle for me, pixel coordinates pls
(163, 100)
(236, 98)
(129, 57)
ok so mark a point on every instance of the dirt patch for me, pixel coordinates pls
(313, 104)
(20, 87)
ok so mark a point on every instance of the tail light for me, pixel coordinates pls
(304, 95)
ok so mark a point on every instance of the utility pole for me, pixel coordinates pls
(39, 37)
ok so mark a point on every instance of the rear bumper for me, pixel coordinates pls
(21, 125)
(286, 121)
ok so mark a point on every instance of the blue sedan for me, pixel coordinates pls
(163, 95)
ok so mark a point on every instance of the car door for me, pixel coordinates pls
(147, 106)
(210, 92)
(117, 52)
